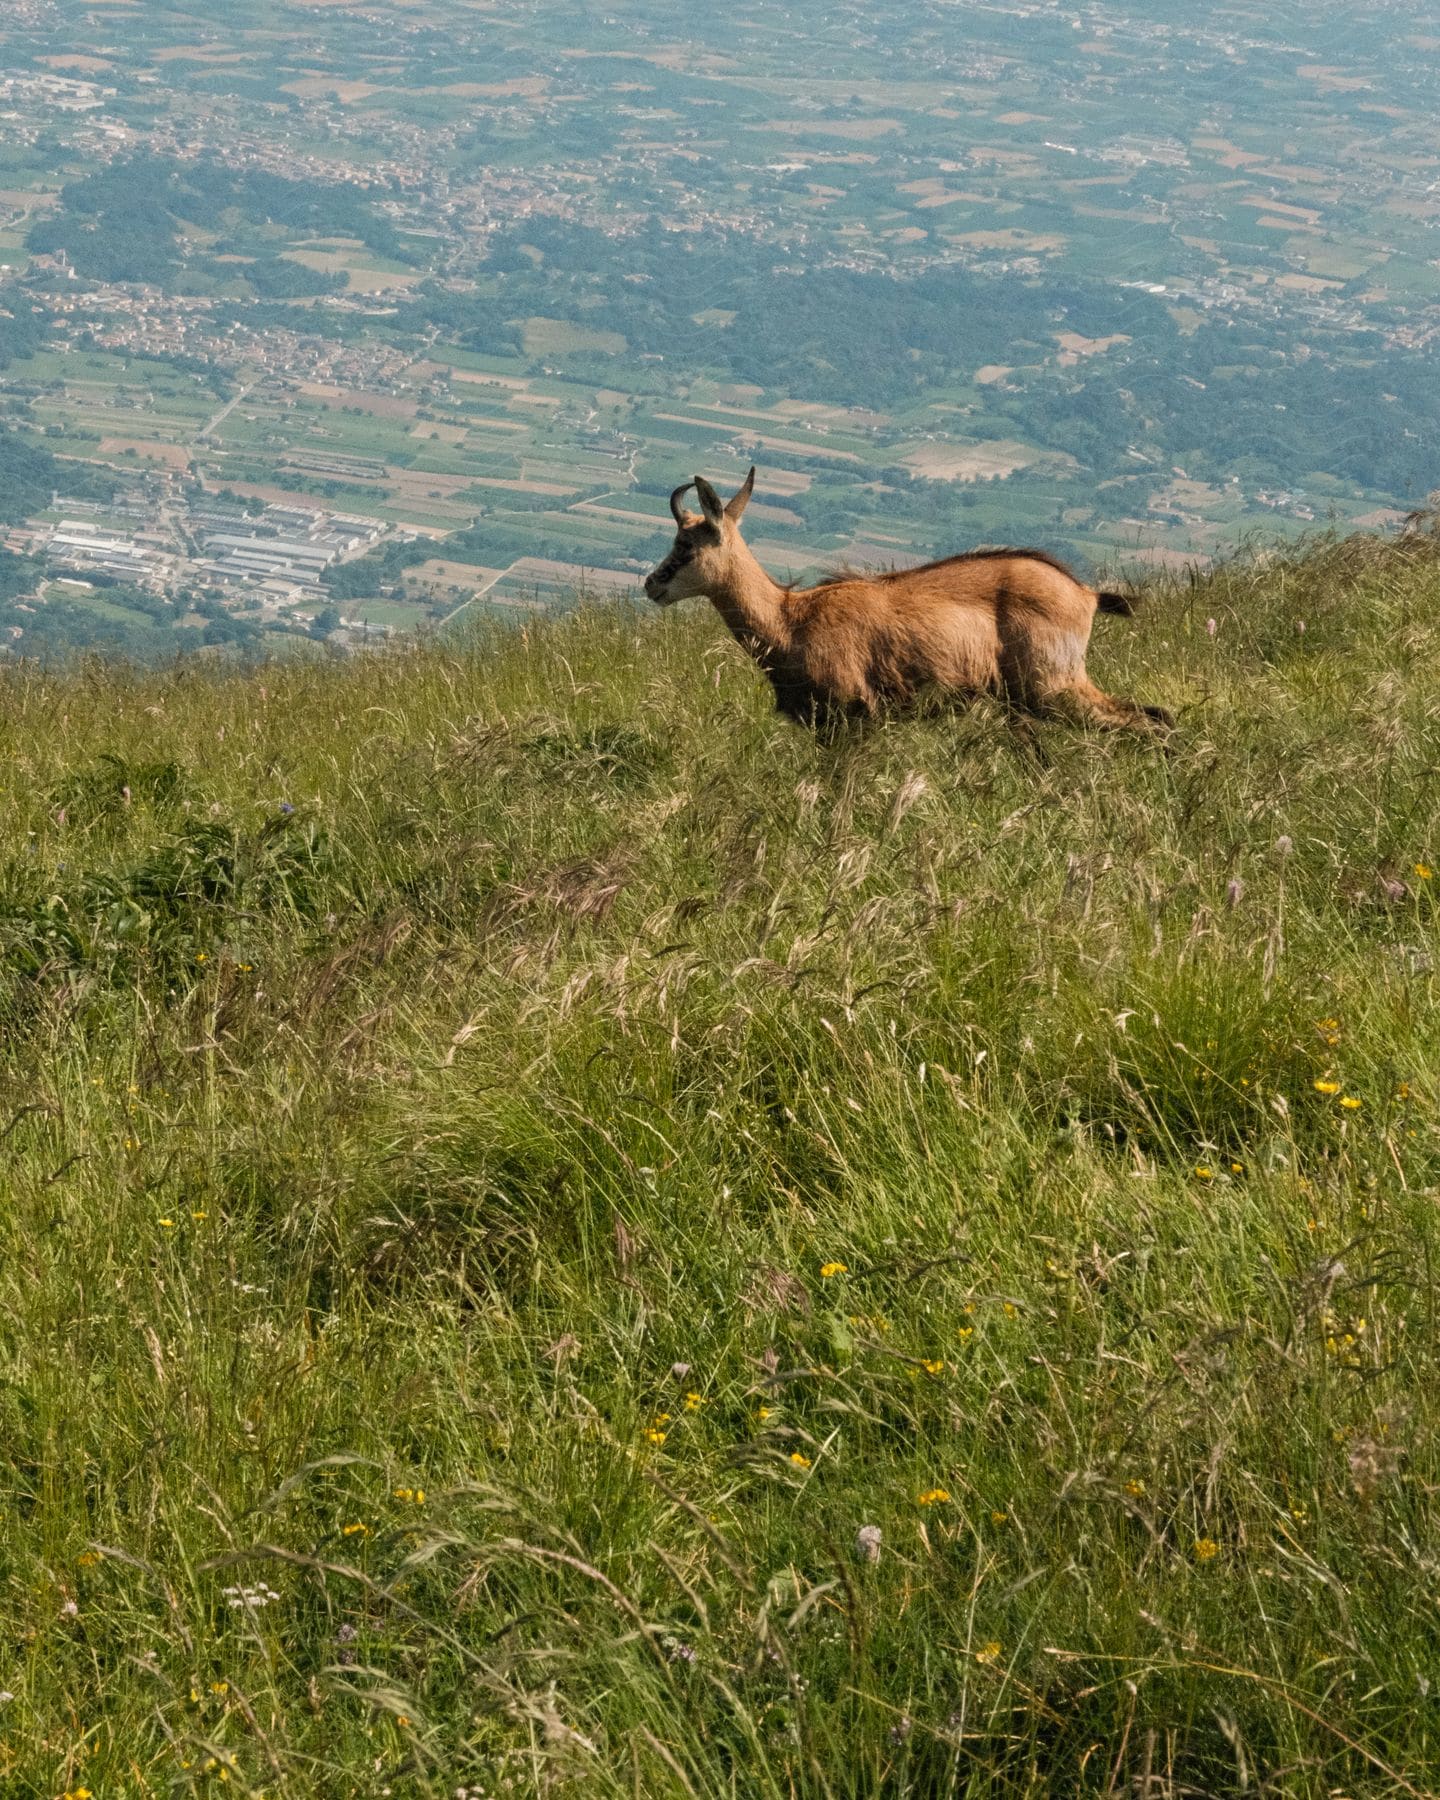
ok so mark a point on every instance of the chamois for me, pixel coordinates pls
(1014, 623)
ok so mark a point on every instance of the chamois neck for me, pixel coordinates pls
(751, 604)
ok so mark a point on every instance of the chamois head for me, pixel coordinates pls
(703, 545)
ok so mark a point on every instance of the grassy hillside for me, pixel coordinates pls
(515, 1160)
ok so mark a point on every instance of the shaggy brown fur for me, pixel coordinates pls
(1014, 623)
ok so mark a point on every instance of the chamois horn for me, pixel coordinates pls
(678, 516)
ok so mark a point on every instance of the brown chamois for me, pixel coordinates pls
(1013, 623)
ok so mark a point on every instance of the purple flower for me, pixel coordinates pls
(1234, 892)
(286, 808)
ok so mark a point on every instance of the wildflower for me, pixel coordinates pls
(169, 1224)
(1205, 1549)
(693, 1402)
(1234, 892)
(250, 1599)
(933, 1366)
(1237, 1168)
(1300, 1514)
(762, 1413)
(1135, 1489)
(1351, 1104)
(1327, 1024)
(800, 1460)
(417, 1495)
(933, 1497)
(833, 1268)
(867, 1543)
(132, 1143)
(359, 1525)
(988, 1653)
(1424, 871)
(201, 956)
(219, 1687)
(88, 1559)
(201, 1214)
(1211, 628)
(965, 1332)
(1204, 1171)
(999, 1518)
(679, 1370)
(1010, 1310)
(1403, 1091)
(901, 1729)
(1284, 844)
(1327, 1087)
(286, 808)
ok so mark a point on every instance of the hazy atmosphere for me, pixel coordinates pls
(1128, 282)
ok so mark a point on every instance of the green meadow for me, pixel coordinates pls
(562, 1236)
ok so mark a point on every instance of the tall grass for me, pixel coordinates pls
(515, 1161)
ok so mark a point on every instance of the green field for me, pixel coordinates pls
(522, 1170)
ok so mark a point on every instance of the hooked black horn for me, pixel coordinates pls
(679, 517)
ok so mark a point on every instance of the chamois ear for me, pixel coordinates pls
(709, 502)
(741, 498)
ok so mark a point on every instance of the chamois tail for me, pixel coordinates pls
(1116, 603)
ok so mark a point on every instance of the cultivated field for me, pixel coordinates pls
(560, 1235)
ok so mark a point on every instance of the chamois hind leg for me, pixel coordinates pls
(1084, 701)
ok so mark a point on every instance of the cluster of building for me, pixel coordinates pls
(150, 538)
(284, 549)
(114, 540)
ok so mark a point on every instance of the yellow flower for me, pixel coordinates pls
(1327, 1087)
(1010, 1310)
(1205, 1549)
(201, 957)
(933, 1367)
(202, 1214)
(833, 1268)
(933, 1497)
(88, 1559)
(1300, 1514)
(988, 1653)
(132, 1143)
(1351, 1104)
(219, 1687)
(999, 1518)
(1327, 1024)
(1204, 1171)
(1135, 1489)
(965, 1332)
(169, 1224)
(417, 1495)
(1237, 1168)
(662, 1418)
(800, 1460)
(359, 1525)
(1424, 871)
(654, 1437)
(1403, 1091)
(762, 1413)
(693, 1402)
